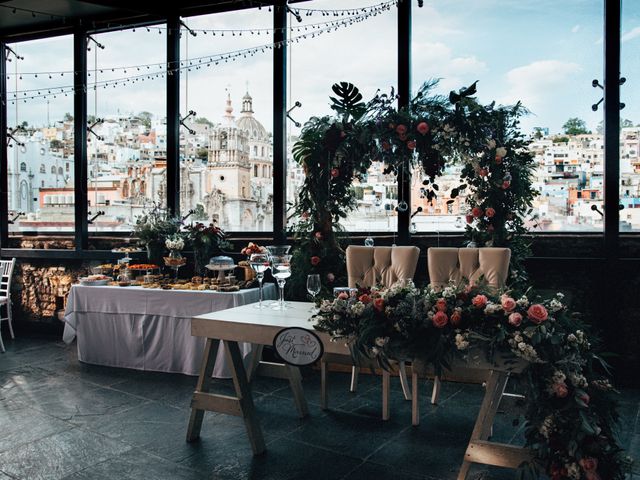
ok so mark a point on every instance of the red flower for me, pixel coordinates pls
(441, 305)
(479, 301)
(440, 319)
(560, 390)
(423, 128)
(335, 172)
(506, 184)
(483, 172)
(315, 260)
(364, 298)
(411, 144)
(469, 218)
(498, 160)
(537, 313)
(318, 235)
(456, 318)
(401, 129)
(477, 212)
(490, 212)
(378, 304)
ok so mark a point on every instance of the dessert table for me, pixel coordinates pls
(147, 329)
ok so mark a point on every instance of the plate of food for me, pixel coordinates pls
(143, 267)
(94, 280)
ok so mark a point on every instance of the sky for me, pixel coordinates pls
(543, 53)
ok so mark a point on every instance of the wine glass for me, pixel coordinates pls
(281, 265)
(313, 287)
(259, 263)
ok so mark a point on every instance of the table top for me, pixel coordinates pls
(249, 324)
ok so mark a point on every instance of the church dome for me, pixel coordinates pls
(248, 123)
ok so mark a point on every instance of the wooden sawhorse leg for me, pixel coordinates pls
(480, 450)
(202, 387)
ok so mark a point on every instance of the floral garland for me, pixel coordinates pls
(569, 407)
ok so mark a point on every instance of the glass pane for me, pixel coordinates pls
(40, 158)
(630, 119)
(226, 160)
(365, 54)
(126, 144)
(519, 52)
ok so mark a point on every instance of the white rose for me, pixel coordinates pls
(501, 152)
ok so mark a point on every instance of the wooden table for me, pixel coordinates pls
(259, 327)
(248, 324)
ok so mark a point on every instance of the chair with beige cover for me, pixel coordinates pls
(367, 267)
(453, 265)
(6, 271)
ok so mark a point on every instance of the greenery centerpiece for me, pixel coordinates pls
(206, 242)
(153, 228)
(570, 410)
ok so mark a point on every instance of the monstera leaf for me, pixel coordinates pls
(348, 101)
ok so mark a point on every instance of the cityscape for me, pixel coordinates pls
(226, 173)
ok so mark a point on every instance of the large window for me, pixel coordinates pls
(126, 143)
(630, 118)
(40, 156)
(520, 51)
(226, 154)
(363, 53)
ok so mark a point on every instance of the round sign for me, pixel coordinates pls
(298, 346)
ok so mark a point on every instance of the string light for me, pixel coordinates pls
(207, 60)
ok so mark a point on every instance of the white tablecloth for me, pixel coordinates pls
(147, 329)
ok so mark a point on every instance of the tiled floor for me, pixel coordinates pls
(60, 419)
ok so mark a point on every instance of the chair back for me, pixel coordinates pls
(448, 265)
(6, 272)
(370, 266)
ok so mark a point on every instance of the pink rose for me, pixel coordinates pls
(401, 129)
(411, 144)
(515, 319)
(343, 296)
(305, 215)
(315, 260)
(456, 318)
(318, 235)
(477, 212)
(560, 390)
(479, 301)
(508, 303)
(589, 464)
(335, 172)
(423, 128)
(440, 319)
(378, 304)
(330, 277)
(441, 305)
(537, 313)
(364, 298)
(506, 184)
(490, 212)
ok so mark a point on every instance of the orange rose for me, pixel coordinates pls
(364, 298)
(490, 212)
(508, 303)
(378, 304)
(456, 318)
(440, 319)
(479, 301)
(537, 313)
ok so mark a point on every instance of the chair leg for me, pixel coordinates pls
(324, 401)
(354, 378)
(404, 381)
(435, 394)
(386, 388)
(9, 319)
(1, 343)
(415, 405)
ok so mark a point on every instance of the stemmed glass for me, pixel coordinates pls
(281, 265)
(313, 287)
(259, 263)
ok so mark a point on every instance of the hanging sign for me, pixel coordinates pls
(298, 346)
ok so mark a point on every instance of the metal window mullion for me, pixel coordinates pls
(279, 122)
(80, 139)
(173, 115)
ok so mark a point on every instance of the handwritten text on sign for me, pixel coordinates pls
(298, 346)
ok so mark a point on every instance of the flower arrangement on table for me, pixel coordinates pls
(569, 407)
(153, 228)
(206, 242)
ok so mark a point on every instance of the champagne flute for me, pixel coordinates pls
(281, 265)
(259, 263)
(313, 287)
